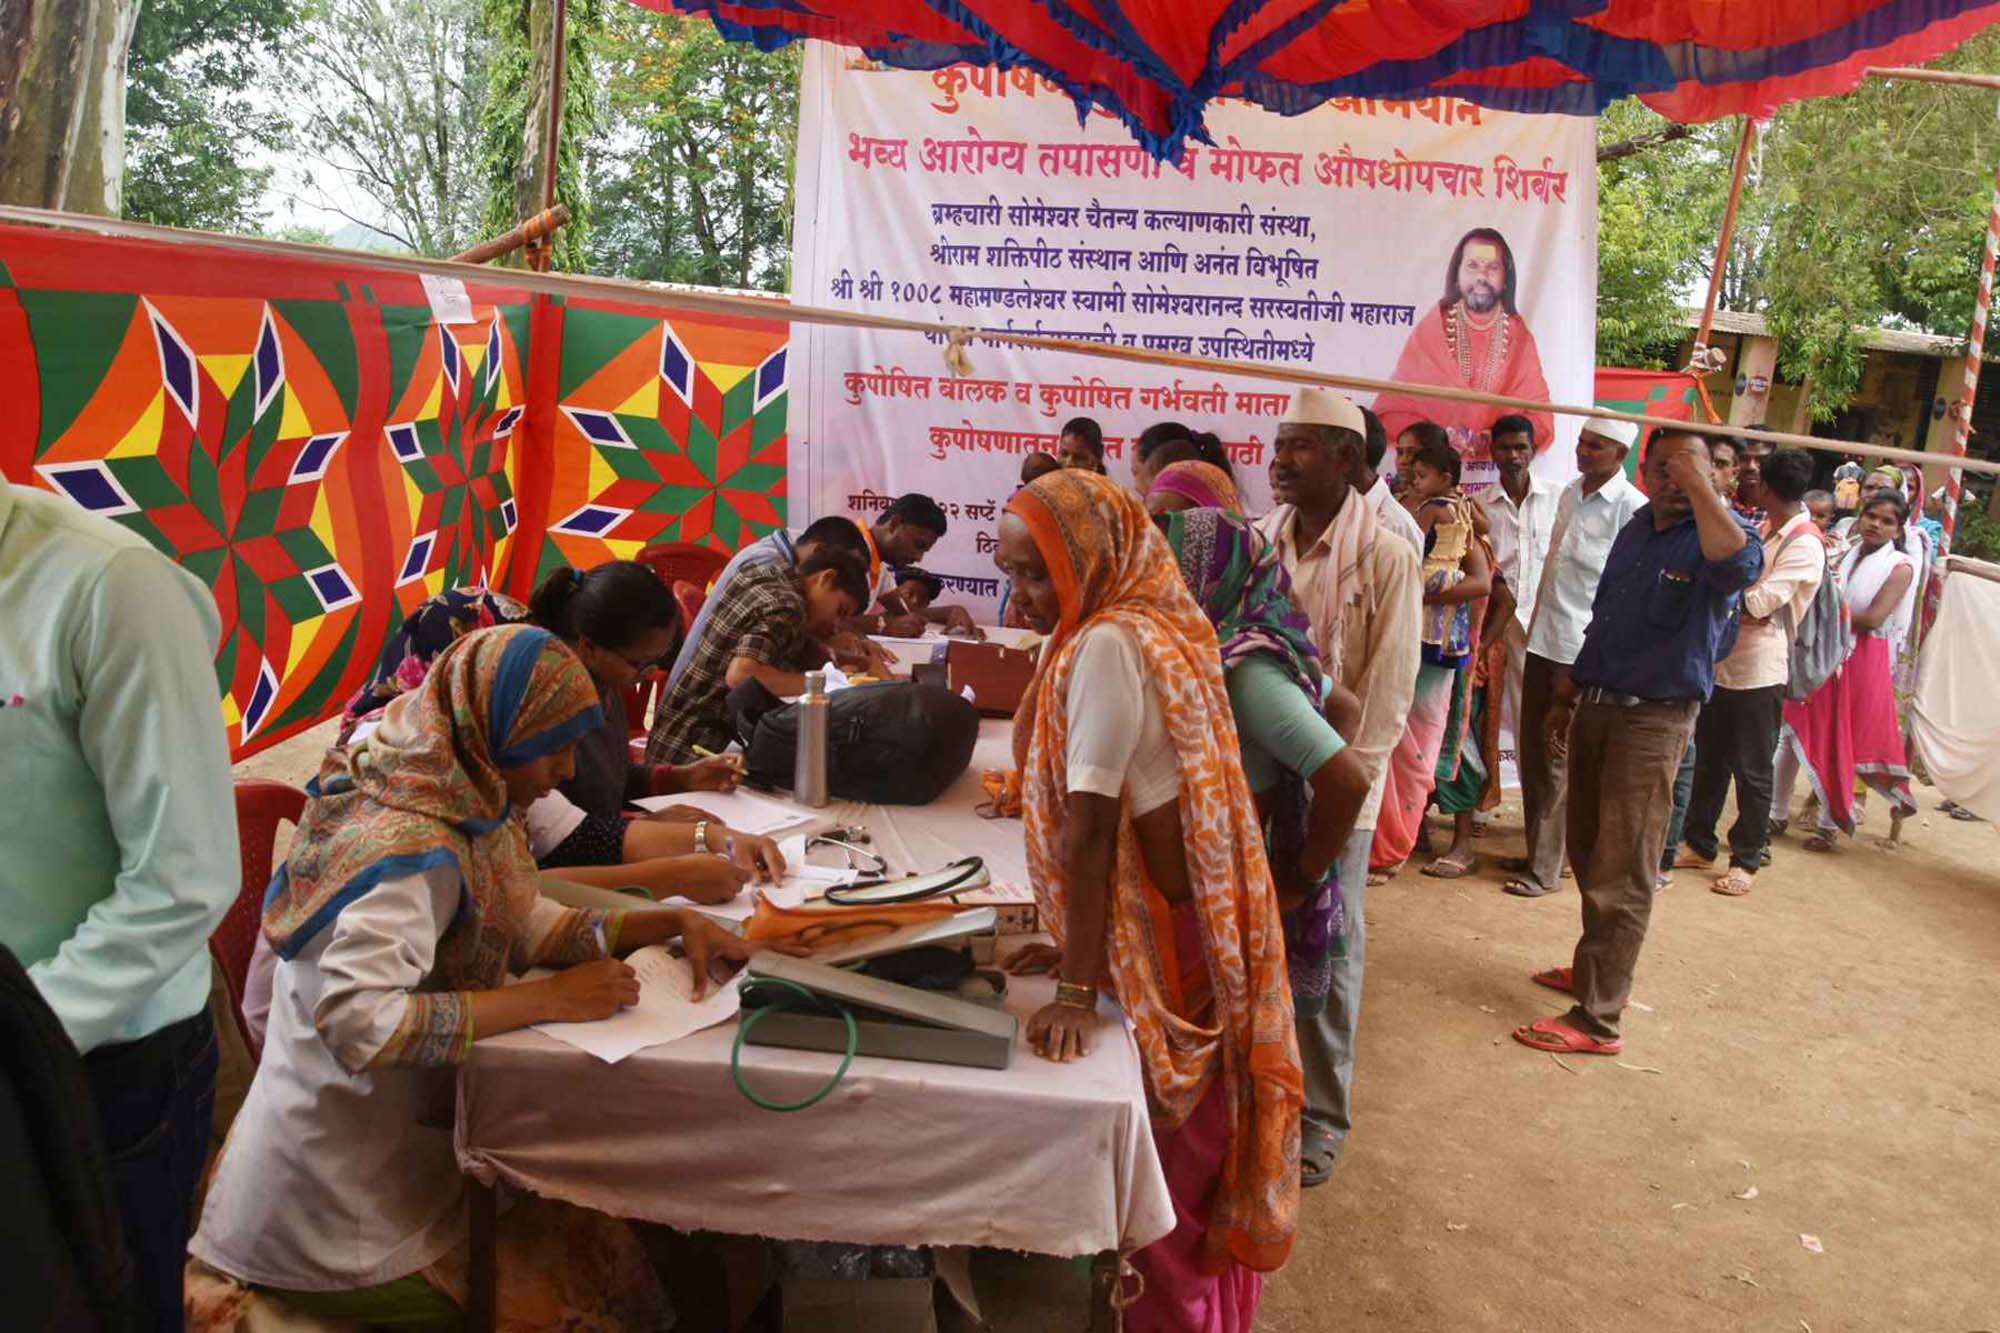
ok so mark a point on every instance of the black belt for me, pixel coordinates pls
(1597, 694)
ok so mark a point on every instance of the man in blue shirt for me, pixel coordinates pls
(1664, 615)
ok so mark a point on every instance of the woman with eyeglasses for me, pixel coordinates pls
(623, 624)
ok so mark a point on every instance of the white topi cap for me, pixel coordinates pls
(1619, 432)
(1324, 407)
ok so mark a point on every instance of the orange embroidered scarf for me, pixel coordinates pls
(1111, 565)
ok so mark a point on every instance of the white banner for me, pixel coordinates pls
(1435, 241)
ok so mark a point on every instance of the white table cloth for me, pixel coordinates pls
(1056, 1159)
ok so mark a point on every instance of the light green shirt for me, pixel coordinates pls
(118, 847)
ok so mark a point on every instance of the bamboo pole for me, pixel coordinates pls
(534, 230)
(667, 298)
(1743, 146)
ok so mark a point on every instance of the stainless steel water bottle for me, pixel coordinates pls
(809, 773)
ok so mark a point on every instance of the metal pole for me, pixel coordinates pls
(542, 254)
(1743, 146)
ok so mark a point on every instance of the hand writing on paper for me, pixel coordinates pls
(700, 878)
(757, 857)
(590, 991)
(720, 773)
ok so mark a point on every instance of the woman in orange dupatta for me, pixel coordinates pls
(1148, 864)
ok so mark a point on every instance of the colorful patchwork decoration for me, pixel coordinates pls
(665, 430)
(308, 439)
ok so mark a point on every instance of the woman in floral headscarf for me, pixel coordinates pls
(408, 898)
(1148, 862)
(1308, 788)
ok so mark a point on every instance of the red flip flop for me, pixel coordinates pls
(1557, 978)
(1552, 1034)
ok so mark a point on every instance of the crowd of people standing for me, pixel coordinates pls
(1239, 724)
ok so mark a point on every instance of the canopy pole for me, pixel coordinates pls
(1742, 167)
(541, 254)
(1975, 346)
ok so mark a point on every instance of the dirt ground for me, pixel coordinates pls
(1828, 1041)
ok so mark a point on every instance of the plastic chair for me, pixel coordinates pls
(675, 561)
(691, 597)
(261, 805)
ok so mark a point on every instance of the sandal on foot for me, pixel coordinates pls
(1963, 815)
(1735, 884)
(1688, 860)
(1526, 886)
(1557, 1037)
(1818, 842)
(1317, 1161)
(1446, 868)
(1557, 978)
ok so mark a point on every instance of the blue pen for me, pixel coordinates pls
(597, 929)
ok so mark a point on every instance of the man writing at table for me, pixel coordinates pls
(764, 628)
(1664, 615)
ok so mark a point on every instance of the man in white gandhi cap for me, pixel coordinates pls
(1589, 514)
(1360, 586)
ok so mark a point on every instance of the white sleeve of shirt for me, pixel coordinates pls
(550, 821)
(381, 947)
(1118, 742)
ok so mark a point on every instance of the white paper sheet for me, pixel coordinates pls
(665, 1012)
(740, 810)
(450, 302)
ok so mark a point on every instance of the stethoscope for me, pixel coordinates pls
(876, 869)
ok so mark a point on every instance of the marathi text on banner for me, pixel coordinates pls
(1436, 242)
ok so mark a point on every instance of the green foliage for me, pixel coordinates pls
(1649, 255)
(190, 119)
(1859, 211)
(691, 180)
(1978, 535)
(386, 95)
(514, 120)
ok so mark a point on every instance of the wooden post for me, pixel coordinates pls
(541, 254)
(535, 231)
(1975, 341)
(1743, 147)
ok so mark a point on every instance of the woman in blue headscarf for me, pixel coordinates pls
(408, 898)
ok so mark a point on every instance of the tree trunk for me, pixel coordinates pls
(62, 102)
(531, 169)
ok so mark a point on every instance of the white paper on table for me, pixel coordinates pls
(665, 1012)
(740, 810)
(450, 302)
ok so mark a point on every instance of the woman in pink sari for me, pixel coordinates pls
(1848, 729)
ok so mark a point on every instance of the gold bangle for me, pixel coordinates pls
(1076, 995)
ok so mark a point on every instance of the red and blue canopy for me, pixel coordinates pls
(1156, 64)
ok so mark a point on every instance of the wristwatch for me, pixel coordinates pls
(701, 835)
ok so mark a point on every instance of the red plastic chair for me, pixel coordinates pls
(690, 595)
(675, 561)
(261, 805)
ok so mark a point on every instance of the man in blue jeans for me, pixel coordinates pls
(118, 846)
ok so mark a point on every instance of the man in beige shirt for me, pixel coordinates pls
(1359, 585)
(1737, 734)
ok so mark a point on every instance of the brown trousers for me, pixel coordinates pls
(1622, 763)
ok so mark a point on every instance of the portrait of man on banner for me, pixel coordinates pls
(1474, 338)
